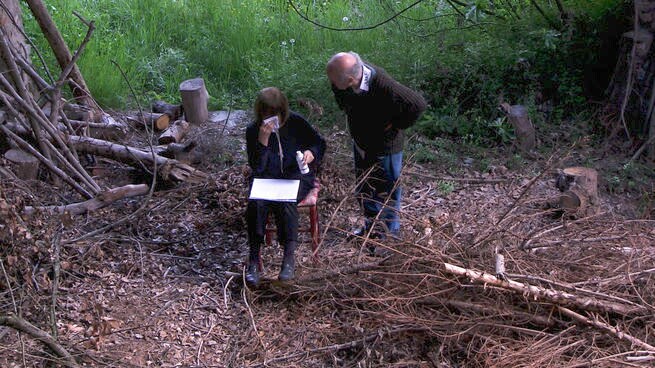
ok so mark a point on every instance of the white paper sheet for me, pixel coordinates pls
(278, 190)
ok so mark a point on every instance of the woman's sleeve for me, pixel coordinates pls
(313, 141)
(257, 152)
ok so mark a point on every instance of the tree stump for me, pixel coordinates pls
(174, 133)
(194, 100)
(24, 165)
(517, 115)
(580, 190)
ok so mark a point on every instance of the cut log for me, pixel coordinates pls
(194, 100)
(107, 128)
(168, 169)
(174, 112)
(518, 117)
(174, 133)
(153, 120)
(580, 191)
(24, 165)
(77, 112)
(102, 200)
(169, 113)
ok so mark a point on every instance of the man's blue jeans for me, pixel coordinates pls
(373, 192)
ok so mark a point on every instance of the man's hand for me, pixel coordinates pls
(388, 127)
(308, 157)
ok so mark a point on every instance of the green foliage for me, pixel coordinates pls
(445, 187)
(465, 61)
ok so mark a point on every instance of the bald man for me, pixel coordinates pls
(378, 110)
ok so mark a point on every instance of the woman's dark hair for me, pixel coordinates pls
(271, 101)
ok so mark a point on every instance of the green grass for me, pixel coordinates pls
(237, 47)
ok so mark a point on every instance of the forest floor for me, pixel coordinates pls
(164, 288)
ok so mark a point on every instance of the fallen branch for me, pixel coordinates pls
(605, 327)
(548, 295)
(24, 326)
(102, 200)
(168, 169)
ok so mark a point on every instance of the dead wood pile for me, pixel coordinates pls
(572, 292)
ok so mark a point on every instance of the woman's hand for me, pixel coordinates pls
(265, 133)
(308, 157)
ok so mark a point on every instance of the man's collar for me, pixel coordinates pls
(366, 79)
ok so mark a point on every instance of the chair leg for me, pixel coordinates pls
(268, 233)
(260, 265)
(313, 223)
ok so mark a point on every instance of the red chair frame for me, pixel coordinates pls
(310, 205)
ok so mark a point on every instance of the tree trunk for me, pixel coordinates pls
(194, 100)
(631, 93)
(61, 51)
(11, 23)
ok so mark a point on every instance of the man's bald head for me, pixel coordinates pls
(344, 70)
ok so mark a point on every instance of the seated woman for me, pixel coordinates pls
(272, 155)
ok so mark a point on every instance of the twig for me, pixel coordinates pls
(24, 326)
(202, 341)
(336, 210)
(534, 235)
(337, 347)
(579, 240)
(250, 314)
(458, 180)
(225, 291)
(55, 282)
(340, 271)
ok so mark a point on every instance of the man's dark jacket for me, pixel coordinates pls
(370, 112)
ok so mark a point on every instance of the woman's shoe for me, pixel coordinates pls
(288, 262)
(252, 274)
